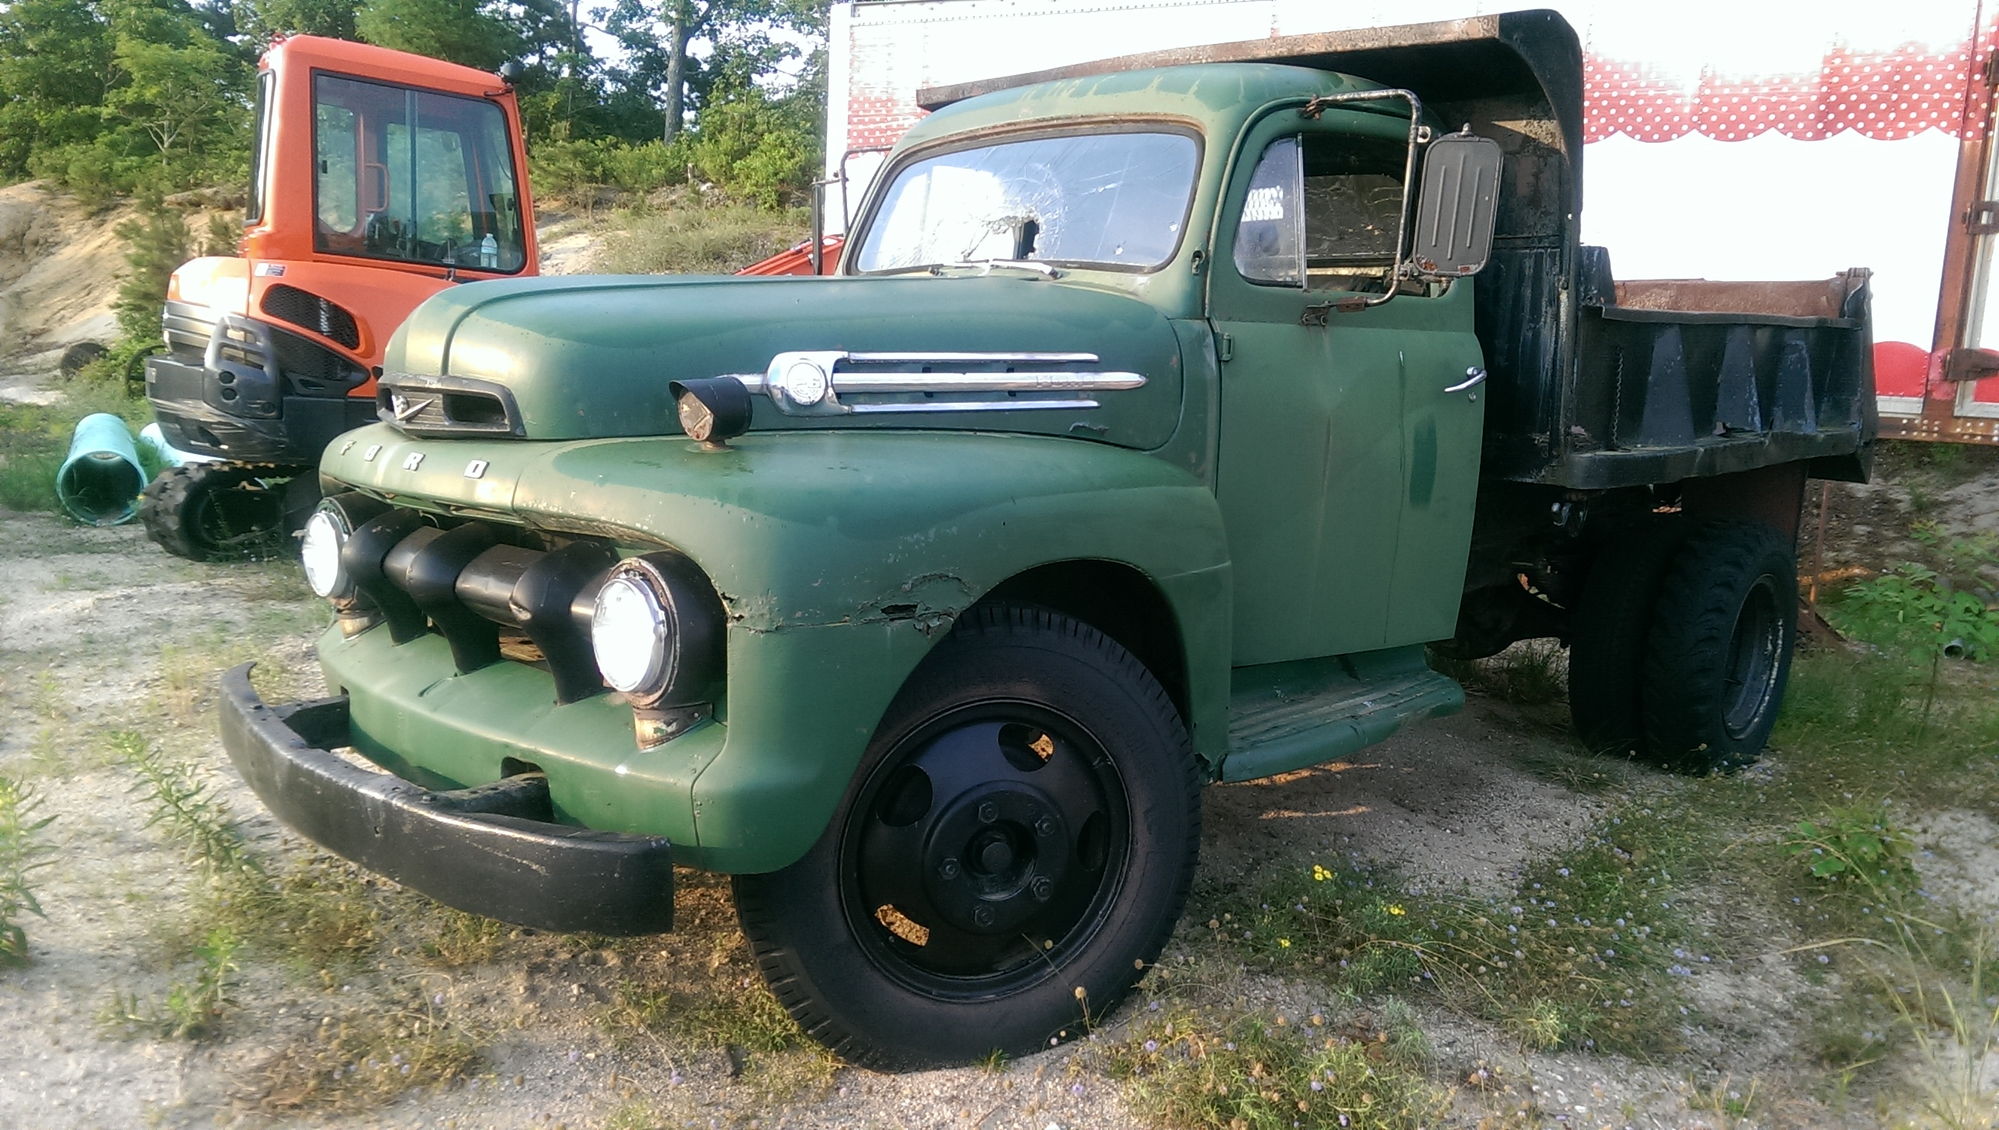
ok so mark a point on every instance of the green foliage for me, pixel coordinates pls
(1853, 845)
(269, 18)
(758, 149)
(157, 242)
(21, 854)
(1917, 609)
(184, 93)
(105, 95)
(55, 71)
(186, 807)
(1269, 1073)
(570, 168)
(679, 52)
(468, 32)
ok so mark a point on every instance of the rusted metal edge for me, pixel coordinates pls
(1311, 49)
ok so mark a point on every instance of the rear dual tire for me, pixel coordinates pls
(1683, 644)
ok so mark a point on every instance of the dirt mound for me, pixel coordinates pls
(59, 269)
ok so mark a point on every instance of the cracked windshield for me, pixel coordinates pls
(1101, 199)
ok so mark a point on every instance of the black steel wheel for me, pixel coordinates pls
(1012, 854)
(1720, 648)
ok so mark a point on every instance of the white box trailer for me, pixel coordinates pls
(1724, 139)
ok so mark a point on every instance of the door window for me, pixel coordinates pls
(1323, 213)
(414, 175)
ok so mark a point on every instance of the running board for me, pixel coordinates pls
(1285, 716)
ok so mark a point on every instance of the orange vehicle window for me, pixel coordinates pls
(260, 157)
(415, 176)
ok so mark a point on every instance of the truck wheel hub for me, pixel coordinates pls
(989, 865)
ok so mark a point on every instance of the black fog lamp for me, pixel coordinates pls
(712, 410)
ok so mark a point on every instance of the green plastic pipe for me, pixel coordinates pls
(170, 456)
(100, 481)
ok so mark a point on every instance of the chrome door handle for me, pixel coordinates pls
(1474, 377)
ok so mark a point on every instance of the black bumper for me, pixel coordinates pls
(491, 850)
(269, 427)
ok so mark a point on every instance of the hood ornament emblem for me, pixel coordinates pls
(405, 409)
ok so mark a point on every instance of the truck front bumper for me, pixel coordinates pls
(491, 850)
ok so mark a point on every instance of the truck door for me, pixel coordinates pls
(1346, 472)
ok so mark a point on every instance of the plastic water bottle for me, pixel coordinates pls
(489, 251)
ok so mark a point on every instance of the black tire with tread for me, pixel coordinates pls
(1733, 586)
(850, 993)
(1611, 625)
(78, 357)
(177, 510)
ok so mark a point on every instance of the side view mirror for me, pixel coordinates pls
(1456, 208)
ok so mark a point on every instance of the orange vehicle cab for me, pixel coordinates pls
(378, 179)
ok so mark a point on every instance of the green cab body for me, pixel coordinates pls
(1180, 355)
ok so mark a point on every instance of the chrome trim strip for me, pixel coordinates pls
(970, 358)
(811, 382)
(984, 382)
(972, 406)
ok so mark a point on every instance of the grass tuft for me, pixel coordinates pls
(1264, 1072)
(364, 1059)
(715, 240)
(1586, 953)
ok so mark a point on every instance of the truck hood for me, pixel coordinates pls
(591, 356)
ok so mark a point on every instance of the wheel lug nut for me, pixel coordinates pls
(1043, 887)
(988, 812)
(948, 869)
(983, 915)
(1044, 827)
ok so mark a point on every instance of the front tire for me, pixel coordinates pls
(1012, 853)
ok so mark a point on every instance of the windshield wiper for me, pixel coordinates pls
(986, 266)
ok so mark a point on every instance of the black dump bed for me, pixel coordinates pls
(1594, 384)
(1669, 379)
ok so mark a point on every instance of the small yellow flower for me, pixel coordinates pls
(1396, 910)
(1320, 874)
(1284, 943)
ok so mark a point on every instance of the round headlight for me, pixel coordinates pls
(628, 634)
(319, 551)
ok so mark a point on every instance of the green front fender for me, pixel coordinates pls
(842, 558)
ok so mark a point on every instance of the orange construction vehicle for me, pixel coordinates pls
(378, 179)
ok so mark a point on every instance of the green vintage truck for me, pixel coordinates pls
(1153, 426)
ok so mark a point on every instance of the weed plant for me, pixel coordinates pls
(1584, 954)
(1268, 1072)
(192, 1009)
(314, 916)
(22, 853)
